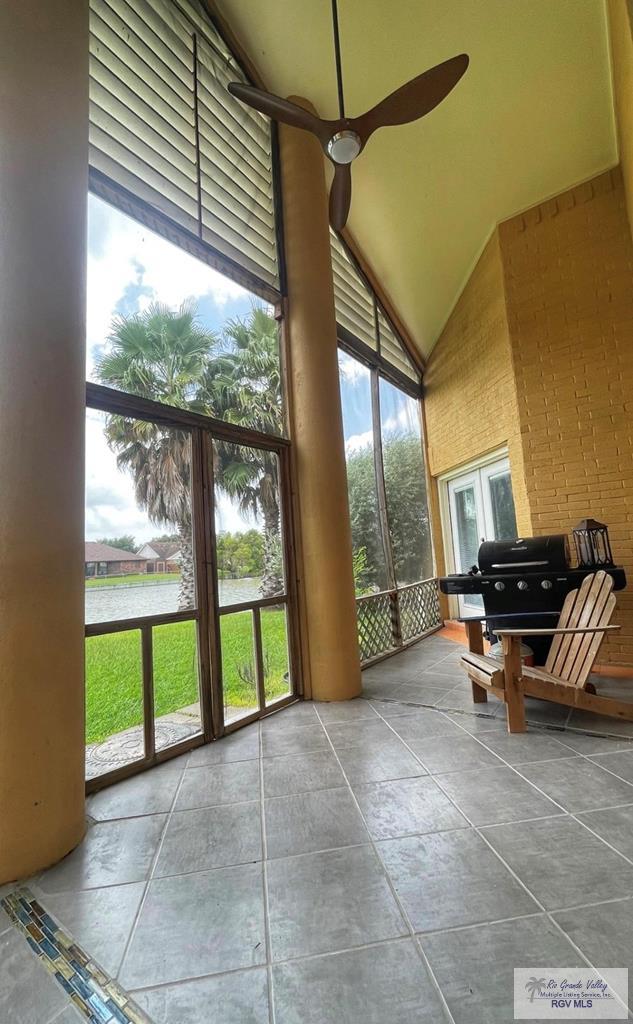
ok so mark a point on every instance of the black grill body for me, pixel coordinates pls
(526, 581)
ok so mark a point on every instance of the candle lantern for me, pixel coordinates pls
(592, 544)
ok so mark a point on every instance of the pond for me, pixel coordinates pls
(127, 601)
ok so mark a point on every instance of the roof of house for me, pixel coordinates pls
(96, 552)
(162, 548)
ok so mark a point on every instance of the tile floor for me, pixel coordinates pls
(363, 863)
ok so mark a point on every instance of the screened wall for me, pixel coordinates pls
(391, 537)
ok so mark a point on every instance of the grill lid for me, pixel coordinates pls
(525, 554)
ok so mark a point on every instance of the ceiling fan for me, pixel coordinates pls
(345, 138)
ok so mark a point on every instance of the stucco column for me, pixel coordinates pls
(317, 425)
(43, 186)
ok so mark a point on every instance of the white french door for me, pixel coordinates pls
(481, 507)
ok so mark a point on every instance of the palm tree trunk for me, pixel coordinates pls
(186, 597)
(273, 575)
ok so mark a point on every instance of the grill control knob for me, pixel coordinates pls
(522, 585)
(546, 584)
(500, 585)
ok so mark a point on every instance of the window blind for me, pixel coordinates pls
(353, 301)
(164, 127)
(392, 349)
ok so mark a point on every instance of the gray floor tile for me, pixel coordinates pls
(614, 825)
(330, 901)
(354, 734)
(389, 709)
(28, 994)
(452, 753)
(461, 699)
(238, 746)
(406, 807)
(113, 852)
(301, 773)
(620, 764)
(300, 740)
(219, 784)
(448, 879)
(308, 822)
(5, 922)
(475, 966)
(237, 998)
(295, 716)
(152, 792)
(484, 721)
(491, 796)
(545, 711)
(560, 862)
(424, 723)
(194, 925)
(100, 920)
(585, 720)
(444, 673)
(211, 837)
(345, 711)
(378, 764)
(603, 933)
(413, 693)
(584, 743)
(523, 748)
(385, 983)
(578, 784)
(68, 1016)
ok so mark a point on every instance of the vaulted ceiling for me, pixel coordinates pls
(532, 116)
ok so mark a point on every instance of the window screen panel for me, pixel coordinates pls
(354, 302)
(393, 350)
(164, 126)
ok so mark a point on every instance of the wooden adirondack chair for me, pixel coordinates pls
(582, 625)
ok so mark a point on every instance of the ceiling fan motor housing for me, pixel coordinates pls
(344, 147)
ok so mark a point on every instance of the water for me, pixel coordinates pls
(105, 604)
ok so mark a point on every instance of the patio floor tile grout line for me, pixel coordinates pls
(392, 888)
(148, 880)
(267, 932)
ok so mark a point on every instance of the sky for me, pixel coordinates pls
(128, 268)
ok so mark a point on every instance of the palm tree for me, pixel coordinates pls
(534, 987)
(159, 354)
(243, 385)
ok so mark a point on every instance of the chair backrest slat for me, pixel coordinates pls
(571, 656)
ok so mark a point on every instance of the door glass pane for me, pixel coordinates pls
(466, 527)
(114, 701)
(370, 574)
(239, 674)
(275, 660)
(176, 693)
(502, 504)
(138, 554)
(405, 485)
(247, 523)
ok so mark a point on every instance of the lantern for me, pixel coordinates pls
(592, 544)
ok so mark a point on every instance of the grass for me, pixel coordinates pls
(132, 577)
(114, 699)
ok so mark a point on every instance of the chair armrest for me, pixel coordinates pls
(506, 615)
(555, 632)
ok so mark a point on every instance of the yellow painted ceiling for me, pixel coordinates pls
(532, 116)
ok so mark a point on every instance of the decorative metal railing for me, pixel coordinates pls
(392, 618)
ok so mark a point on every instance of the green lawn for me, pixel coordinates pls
(114, 698)
(132, 577)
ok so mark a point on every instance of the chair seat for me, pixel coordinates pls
(530, 672)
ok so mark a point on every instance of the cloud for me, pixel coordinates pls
(357, 442)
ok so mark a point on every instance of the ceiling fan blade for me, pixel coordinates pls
(340, 196)
(280, 110)
(415, 99)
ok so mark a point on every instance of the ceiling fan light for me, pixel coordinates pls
(344, 147)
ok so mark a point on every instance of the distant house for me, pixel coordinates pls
(103, 560)
(161, 555)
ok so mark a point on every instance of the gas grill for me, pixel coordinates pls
(524, 583)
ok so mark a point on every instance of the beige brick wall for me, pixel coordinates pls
(470, 398)
(568, 270)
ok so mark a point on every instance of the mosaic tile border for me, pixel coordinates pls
(97, 997)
